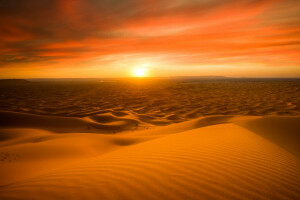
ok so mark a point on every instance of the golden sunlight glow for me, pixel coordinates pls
(140, 72)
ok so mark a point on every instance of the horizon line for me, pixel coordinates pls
(212, 77)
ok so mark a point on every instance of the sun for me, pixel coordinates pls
(140, 72)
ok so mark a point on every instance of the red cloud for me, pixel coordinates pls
(249, 31)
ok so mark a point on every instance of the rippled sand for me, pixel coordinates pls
(151, 139)
(158, 101)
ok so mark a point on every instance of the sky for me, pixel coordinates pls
(112, 38)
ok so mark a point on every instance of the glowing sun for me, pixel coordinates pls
(140, 72)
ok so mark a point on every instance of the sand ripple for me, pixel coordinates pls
(216, 162)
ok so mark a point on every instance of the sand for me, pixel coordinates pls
(139, 153)
(215, 157)
(158, 102)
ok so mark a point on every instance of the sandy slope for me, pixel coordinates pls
(217, 157)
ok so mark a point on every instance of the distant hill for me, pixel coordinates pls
(13, 81)
(198, 77)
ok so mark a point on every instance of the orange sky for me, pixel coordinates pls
(109, 38)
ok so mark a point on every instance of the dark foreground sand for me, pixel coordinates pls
(150, 150)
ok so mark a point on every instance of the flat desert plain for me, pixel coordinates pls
(150, 139)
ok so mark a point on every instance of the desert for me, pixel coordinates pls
(149, 100)
(150, 139)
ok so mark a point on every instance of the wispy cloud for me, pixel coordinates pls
(53, 33)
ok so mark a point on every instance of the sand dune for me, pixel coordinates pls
(38, 151)
(96, 123)
(156, 101)
(284, 131)
(214, 157)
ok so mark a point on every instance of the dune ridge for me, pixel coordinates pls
(58, 124)
(213, 157)
(284, 131)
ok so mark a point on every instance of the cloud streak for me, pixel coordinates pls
(53, 33)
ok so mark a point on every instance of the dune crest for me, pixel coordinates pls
(214, 157)
(284, 131)
(58, 124)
